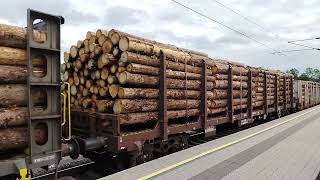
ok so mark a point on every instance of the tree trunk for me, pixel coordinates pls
(13, 117)
(136, 93)
(16, 95)
(223, 102)
(14, 36)
(223, 93)
(223, 84)
(149, 70)
(13, 138)
(142, 117)
(16, 74)
(140, 46)
(155, 62)
(234, 77)
(17, 57)
(118, 35)
(153, 81)
(142, 105)
(216, 110)
(224, 68)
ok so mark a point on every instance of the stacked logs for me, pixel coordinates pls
(13, 86)
(119, 73)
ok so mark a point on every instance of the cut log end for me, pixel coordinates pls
(117, 107)
(124, 57)
(114, 90)
(124, 44)
(122, 78)
(115, 38)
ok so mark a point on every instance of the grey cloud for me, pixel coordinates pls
(123, 16)
(16, 11)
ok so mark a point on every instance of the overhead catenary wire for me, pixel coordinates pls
(304, 46)
(228, 27)
(268, 31)
(244, 17)
(297, 50)
(309, 39)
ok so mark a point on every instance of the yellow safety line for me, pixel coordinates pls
(218, 148)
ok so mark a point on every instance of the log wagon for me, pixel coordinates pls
(125, 99)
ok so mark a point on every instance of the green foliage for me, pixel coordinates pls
(309, 74)
(294, 72)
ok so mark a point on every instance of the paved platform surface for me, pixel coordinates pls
(285, 148)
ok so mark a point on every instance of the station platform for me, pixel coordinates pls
(285, 148)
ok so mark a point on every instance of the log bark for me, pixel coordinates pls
(13, 138)
(155, 62)
(13, 117)
(140, 46)
(142, 117)
(152, 81)
(136, 93)
(149, 70)
(234, 77)
(14, 36)
(223, 84)
(16, 95)
(141, 105)
(17, 57)
(223, 93)
(223, 69)
(223, 102)
(16, 74)
(118, 35)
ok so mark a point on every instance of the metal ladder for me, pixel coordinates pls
(48, 153)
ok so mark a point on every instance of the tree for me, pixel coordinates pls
(294, 72)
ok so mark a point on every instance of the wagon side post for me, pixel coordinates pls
(285, 93)
(291, 93)
(249, 104)
(163, 118)
(265, 94)
(276, 102)
(230, 94)
(208, 131)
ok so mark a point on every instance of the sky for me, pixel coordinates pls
(275, 23)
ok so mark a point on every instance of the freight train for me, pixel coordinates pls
(236, 94)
